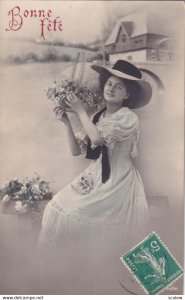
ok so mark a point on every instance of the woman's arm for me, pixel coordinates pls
(75, 149)
(73, 144)
(91, 130)
(93, 133)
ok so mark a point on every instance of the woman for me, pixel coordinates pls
(108, 197)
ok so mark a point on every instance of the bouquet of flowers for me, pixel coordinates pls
(26, 194)
(91, 98)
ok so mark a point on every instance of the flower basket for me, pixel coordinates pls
(80, 79)
(91, 98)
(26, 198)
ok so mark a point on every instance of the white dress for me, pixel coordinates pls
(114, 210)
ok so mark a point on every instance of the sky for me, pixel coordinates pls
(83, 21)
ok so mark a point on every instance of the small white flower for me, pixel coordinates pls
(35, 188)
(60, 89)
(36, 197)
(23, 189)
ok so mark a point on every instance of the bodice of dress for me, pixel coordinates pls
(120, 132)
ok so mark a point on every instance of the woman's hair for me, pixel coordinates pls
(133, 89)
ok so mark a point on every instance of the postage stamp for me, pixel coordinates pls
(152, 264)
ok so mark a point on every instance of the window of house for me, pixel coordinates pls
(123, 38)
(113, 47)
(138, 42)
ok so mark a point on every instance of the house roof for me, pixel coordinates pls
(134, 25)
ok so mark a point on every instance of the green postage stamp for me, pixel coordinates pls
(152, 264)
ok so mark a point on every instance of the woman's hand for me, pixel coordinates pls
(61, 114)
(74, 103)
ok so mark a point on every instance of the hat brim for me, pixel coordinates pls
(145, 89)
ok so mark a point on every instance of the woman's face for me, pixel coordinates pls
(115, 91)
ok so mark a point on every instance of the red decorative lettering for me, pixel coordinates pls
(16, 21)
(46, 23)
(49, 13)
(55, 24)
(43, 24)
(26, 13)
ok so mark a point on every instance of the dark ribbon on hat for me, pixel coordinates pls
(95, 153)
(127, 68)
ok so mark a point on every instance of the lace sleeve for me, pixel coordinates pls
(119, 128)
(82, 140)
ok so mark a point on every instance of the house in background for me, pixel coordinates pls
(137, 38)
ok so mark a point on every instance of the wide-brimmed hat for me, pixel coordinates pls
(126, 70)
